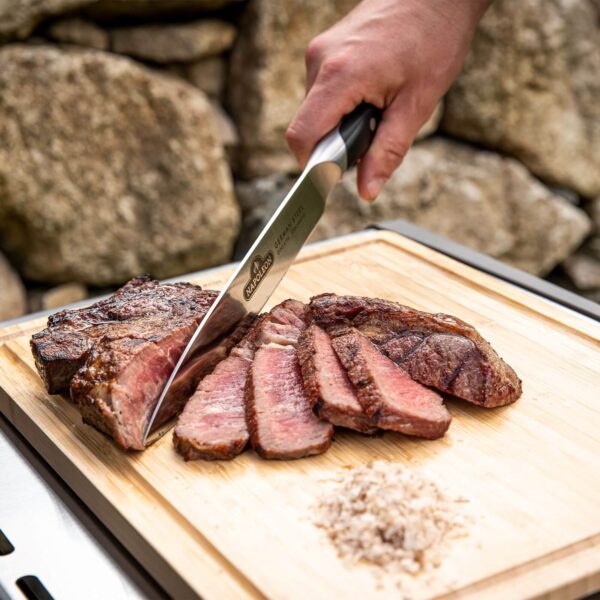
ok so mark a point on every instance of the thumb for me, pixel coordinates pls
(394, 136)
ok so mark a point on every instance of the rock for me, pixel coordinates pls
(18, 18)
(530, 88)
(64, 294)
(258, 200)
(583, 268)
(152, 8)
(182, 42)
(431, 125)
(487, 202)
(82, 32)
(594, 211)
(56, 297)
(108, 170)
(13, 302)
(266, 83)
(227, 131)
(207, 75)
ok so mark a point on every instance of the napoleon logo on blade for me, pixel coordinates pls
(260, 267)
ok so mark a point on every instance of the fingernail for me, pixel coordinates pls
(374, 187)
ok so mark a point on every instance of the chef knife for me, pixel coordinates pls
(278, 244)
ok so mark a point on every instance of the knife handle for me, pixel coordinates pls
(358, 129)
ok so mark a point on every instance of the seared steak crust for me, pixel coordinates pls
(387, 393)
(329, 391)
(127, 347)
(436, 350)
(63, 347)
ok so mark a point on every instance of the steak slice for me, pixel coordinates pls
(387, 393)
(63, 347)
(278, 412)
(279, 416)
(436, 350)
(213, 425)
(329, 390)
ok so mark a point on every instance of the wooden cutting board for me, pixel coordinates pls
(244, 529)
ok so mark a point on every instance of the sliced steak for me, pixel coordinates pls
(279, 416)
(435, 349)
(213, 424)
(387, 393)
(283, 324)
(278, 412)
(198, 367)
(329, 390)
(63, 347)
(127, 347)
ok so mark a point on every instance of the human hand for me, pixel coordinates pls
(401, 56)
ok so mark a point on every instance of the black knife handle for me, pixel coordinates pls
(358, 129)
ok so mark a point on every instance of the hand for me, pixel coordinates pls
(400, 55)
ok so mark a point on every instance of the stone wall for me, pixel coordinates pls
(148, 136)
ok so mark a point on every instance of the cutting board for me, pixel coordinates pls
(244, 528)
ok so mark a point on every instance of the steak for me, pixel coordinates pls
(278, 411)
(436, 350)
(329, 390)
(279, 416)
(387, 393)
(212, 425)
(125, 348)
(213, 422)
(63, 347)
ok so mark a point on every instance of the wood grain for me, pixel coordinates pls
(243, 529)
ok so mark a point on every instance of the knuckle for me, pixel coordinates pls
(335, 67)
(293, 137)
(395, 151)
(315, 50)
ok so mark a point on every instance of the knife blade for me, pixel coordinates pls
(282, 238)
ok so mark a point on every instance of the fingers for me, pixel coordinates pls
(334, 94)
(395, 134)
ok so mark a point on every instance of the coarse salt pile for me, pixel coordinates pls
(391, 516)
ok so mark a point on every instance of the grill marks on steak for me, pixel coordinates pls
(329, 390)
(62, 348)
(132, 340)
(436, 350)
(387, 393)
